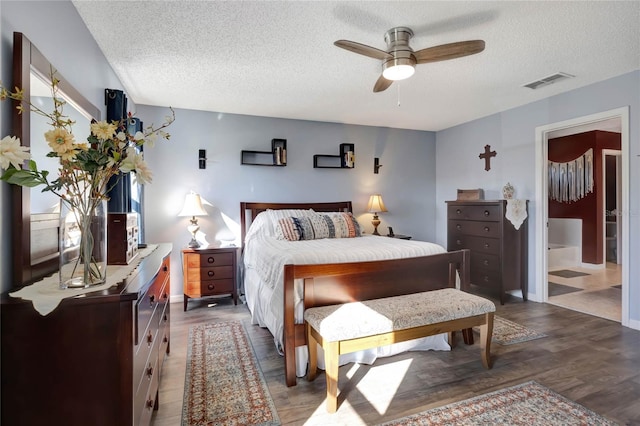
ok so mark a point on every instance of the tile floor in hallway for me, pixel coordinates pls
(593, 293)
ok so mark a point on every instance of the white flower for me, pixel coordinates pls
(11, 152)
(121, 136)
(134, 162)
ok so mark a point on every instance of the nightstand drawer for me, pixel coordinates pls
(481, 229)
(470, 212)
(200, 260)
(213, 273)
(210, 287)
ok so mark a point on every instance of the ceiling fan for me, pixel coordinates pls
(399, 60)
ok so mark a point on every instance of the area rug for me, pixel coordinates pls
(525, 404)
(507, 332)
(223, 383)
(556, 289)
(567, 273)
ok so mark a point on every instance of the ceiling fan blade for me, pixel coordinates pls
(363, 49)
(449, 51)
(381, 84)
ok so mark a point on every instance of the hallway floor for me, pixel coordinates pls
(591, 291)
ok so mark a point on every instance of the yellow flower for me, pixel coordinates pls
(11, 152)
(103, 130)
(60, 140)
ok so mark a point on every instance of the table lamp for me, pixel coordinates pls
(375, 206)
(193, 207)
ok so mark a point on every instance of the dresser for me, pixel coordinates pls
(94, 360)
(498, 250)
(209, 272)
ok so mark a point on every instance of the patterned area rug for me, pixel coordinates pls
(224, 384)
(526, 404)
(507, 332)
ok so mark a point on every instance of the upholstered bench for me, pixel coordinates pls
(355, 326)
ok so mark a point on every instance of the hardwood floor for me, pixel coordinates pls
(590, 360)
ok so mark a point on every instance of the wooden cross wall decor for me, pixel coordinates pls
(487, 154)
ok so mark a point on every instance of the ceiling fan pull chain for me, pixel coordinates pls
(398, 86)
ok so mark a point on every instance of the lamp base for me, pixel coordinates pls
(194, 243)
(375, 222)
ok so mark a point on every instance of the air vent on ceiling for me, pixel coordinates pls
(548, 80)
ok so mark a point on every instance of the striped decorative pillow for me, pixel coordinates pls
(317, 226)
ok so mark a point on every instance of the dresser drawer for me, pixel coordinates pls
(200, 260)
(473, 243)
(481, 229)
(471, 212)
(211, 287)
(484, 262)
(144, 401)
(485, 278)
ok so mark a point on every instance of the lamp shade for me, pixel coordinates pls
(193, 206)
(376, 204)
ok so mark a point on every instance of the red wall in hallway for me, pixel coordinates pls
(590, 208)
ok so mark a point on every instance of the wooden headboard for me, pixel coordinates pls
(249, 210)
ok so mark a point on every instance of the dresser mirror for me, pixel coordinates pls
(34, 214)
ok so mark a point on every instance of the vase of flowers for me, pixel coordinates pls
(83, 181)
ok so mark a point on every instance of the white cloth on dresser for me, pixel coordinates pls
(46, 294)
(516, 212)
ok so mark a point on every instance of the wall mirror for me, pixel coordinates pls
(34, 214)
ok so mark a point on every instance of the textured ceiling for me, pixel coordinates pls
(277, 59)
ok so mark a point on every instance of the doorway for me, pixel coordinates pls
(620, 118)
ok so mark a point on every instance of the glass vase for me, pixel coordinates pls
(83, 243)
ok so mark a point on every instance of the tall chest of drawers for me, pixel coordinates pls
(498, 249)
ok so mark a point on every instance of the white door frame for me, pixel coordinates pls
(541, 205)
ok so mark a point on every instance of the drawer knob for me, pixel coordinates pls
(210, 259)
(486, 262)
(165, 296)
(486, 279)
(150, 338)
(486, 245)
(458, 242)
(486, 228)
(166, 318)
(486, 212)
(211, 286)
(149, 403)
(165, 268)
(458, 211)
(166, 339)
(458, 226)
(152, 299)
(149, 370)
(211, 273)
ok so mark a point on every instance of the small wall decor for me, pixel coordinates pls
(202, 158)
(486, 155)
(376, 165)
(572, 180)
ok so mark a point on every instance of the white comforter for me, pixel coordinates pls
(265, 256)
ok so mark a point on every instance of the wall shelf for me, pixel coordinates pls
(277, 157)
(344, 160)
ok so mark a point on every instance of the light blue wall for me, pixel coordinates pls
(512, 135)
(406, 180)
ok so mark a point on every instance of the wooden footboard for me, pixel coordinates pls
(349, 282)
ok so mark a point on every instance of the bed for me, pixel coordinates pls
(350, 269)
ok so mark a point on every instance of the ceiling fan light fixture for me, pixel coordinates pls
(398, 69)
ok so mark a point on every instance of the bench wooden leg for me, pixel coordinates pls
(486, 331)
(312, 346)
(331, 359)
(451, 337)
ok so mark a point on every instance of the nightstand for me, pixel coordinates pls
(400, 236)
(209, 272)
